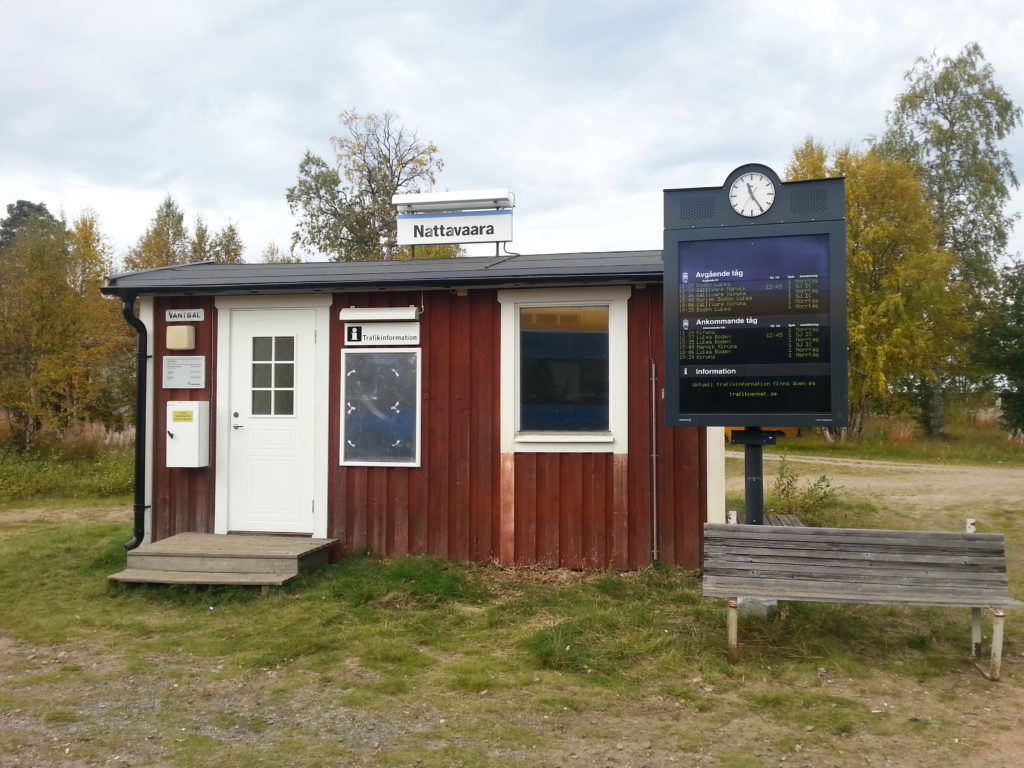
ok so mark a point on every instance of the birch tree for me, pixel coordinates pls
(949, 125)
(343, 205)
(901, 309)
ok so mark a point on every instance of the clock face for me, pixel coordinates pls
(752, 194)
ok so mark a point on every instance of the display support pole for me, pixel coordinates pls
(753, 440)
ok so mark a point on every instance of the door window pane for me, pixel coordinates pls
(563, 369)
(261, 402)
(262, 348)
(261, 375)
(284, 348)
(284, 402)
(273, 381)
(284, 375)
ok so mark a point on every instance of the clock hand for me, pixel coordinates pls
(750, 191)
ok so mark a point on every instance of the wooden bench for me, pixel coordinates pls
(845, 565)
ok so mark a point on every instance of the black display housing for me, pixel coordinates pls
(755, 310)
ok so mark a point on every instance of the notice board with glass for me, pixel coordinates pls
(380, 418)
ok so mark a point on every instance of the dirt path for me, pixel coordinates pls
(939, 496)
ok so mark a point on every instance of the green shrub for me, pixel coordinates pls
(24, 477)
(815, 503)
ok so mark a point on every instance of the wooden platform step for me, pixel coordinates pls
(149, 576)
(204, 558)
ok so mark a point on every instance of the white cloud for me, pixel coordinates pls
(586, 110)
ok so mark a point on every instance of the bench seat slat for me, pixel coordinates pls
(867, 549)
(781, 585)
(779, 538)
(798, 589)
(867, 598)
(921, 585)
(831, 572)
(991, 562)
(781, 580)
(737, 530)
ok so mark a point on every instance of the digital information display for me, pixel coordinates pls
(756, 326)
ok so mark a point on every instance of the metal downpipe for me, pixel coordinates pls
(655, 553)
(141, 367)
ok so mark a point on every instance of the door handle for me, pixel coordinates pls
(237, 426)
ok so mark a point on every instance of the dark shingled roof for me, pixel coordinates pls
(507, 269)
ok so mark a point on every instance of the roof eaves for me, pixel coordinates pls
(562, 268)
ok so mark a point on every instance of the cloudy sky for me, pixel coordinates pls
(585, 110)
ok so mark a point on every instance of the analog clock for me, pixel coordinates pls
(752, 194)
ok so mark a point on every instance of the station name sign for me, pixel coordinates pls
(456, 227)
(755, 313)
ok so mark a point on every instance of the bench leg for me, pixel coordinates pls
(998, 621)
(976, 632)
(732, 621)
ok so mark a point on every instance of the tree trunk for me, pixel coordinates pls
(931, 403)
(938, 412)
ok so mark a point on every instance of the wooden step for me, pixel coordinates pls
(196, 562)
(149, 576)
(205, 558)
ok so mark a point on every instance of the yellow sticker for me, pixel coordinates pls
(181, 415)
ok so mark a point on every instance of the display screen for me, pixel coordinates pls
(753, 329)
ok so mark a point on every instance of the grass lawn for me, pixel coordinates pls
(420, 662)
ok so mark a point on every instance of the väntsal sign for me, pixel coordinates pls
(461, 227)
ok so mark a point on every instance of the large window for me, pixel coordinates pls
(564, 369)
(380, 394)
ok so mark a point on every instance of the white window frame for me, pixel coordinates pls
(513, 439)
(418, 353)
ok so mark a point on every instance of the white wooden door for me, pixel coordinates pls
(271, 423)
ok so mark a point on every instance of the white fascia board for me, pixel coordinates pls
(379, 313)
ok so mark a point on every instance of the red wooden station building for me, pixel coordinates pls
(504, 408)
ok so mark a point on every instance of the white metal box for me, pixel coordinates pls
(188, 433)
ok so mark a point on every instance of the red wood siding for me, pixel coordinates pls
(557, 509)
(681, 479)
(596, 510)
(182, 498)
(467, 501)
(449, 505)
